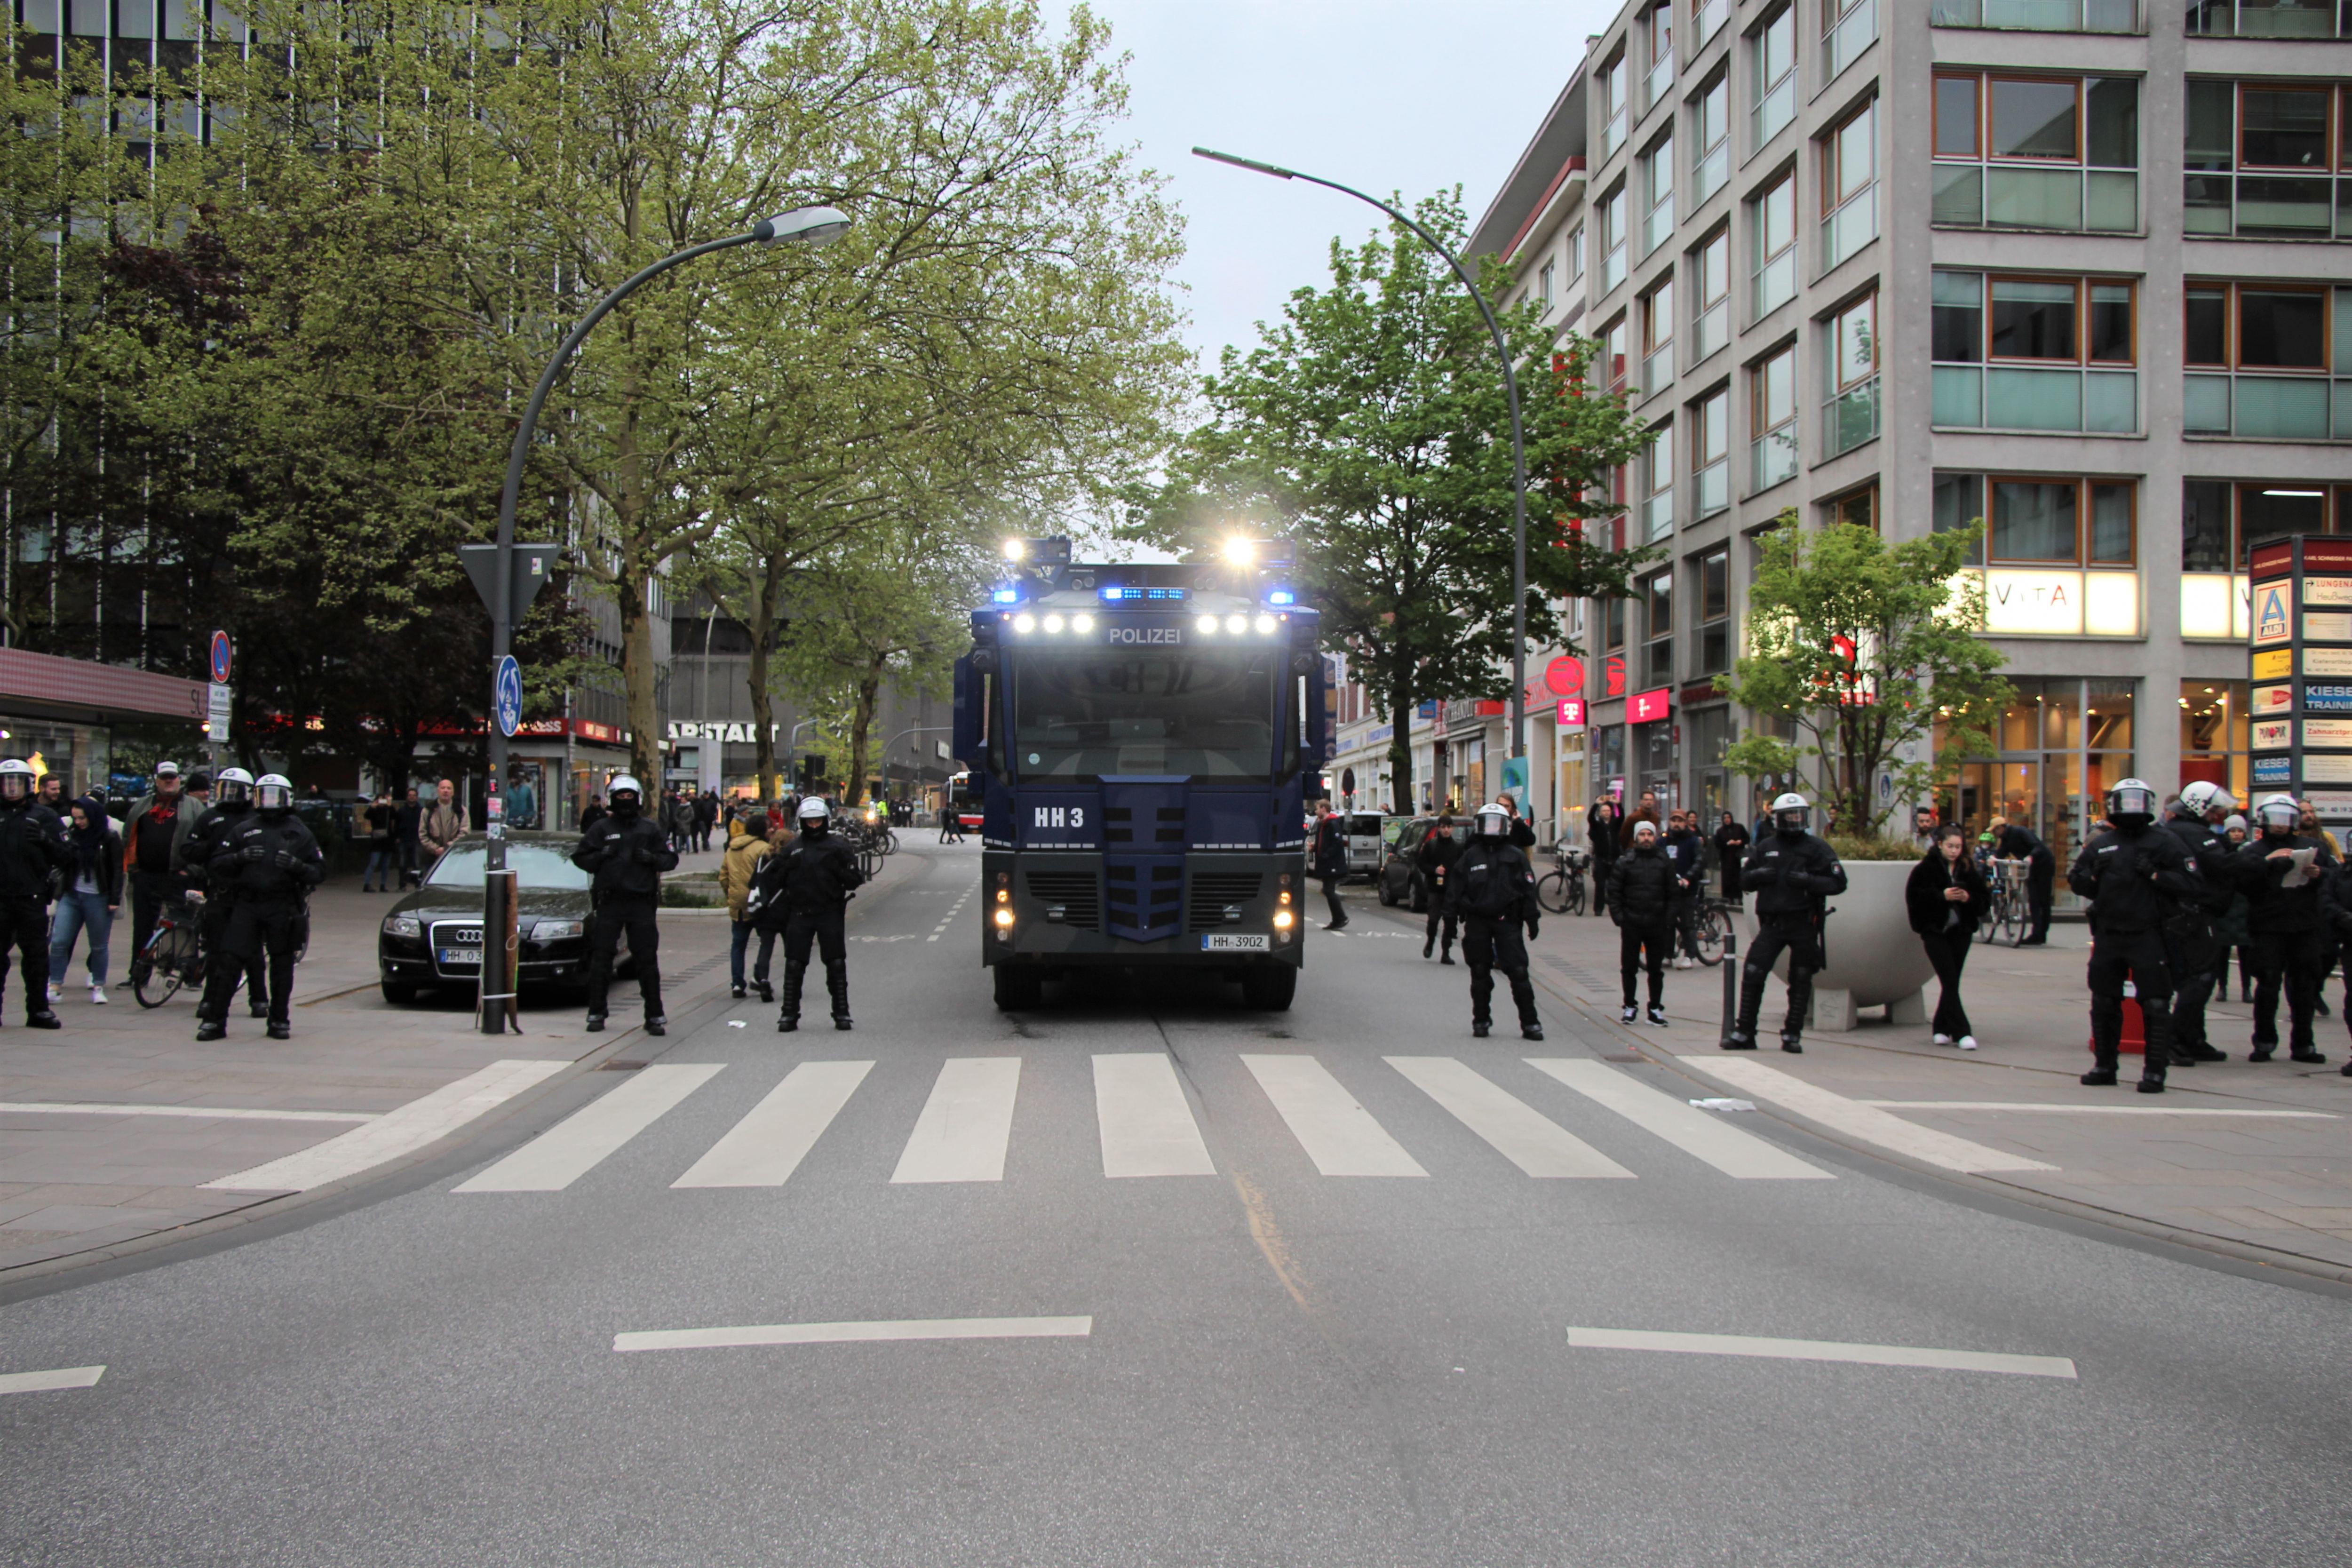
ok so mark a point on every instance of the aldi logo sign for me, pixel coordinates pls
(2270, 621)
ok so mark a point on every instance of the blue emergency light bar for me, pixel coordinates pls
(1115, 593)
(1006, 595)
(1281, 597)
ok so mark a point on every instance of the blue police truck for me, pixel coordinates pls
(1145, 737)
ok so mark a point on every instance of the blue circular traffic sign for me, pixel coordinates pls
(220, 657)
(508, 691)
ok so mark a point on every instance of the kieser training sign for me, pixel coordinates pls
(2318, 697)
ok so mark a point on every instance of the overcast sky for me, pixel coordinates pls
(1384, 95)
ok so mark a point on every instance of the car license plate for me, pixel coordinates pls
(1222, 942)
(461, 955)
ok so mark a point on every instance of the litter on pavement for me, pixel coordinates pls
(1725, 1104)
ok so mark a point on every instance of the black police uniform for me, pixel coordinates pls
(33, 849)
(1493, 892)
(270, 862)
(2041, 878)
(624, 855)
(2198, 951)
(2335, 917)
(1642, 892)
(193, 862)
(804, 888)
(2287, 940)
(2137, 876)
(1435, 856)
(1793, 876)
(1331, 864)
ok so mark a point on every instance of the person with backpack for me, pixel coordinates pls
(1643, 883)
(1493, 892)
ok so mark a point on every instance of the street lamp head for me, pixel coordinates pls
(807, 225)
(1276, 170)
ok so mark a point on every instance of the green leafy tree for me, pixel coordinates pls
(1865, 650)
(1370, 428)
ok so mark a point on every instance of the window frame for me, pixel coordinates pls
(1759, 407)
(1976, 153)
(2232, 290)
(1651, 341)
(1838, 385)
(2074, 358)
(2330, 136)
(2084, 487)
(2082, 282)
(1833, 161)
(2035, 160)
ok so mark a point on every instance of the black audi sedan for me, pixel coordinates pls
(433, 936)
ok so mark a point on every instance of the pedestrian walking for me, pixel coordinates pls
(2136, 876)
(1433, 857)
(382, 820)
(407, 826)
(2198, 947)
(1331, 863)
(439, 827)
(1688, 851)
(34, 852)
(1492, 890)
(2284, 872)
(2012, 841)
(1601, 835)
(1793, 875)
(1730, 848)
(153, 836)
(624, 855)
(1642, 885)
(592, 813)
(738, 868)
(1946, 898)
(2307, 824)
(92, 895)
(706, 817)
(805, 889)
(1924, 828)
(2336, 914)
(948, 823)
(268, 856)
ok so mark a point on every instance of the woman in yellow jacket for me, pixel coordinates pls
(745, 851)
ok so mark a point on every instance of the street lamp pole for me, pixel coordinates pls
(1518, 439)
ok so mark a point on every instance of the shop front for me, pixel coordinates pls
(60, 714)
(2063, 741)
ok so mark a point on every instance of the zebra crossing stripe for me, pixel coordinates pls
(1694, 1133)
(575, 1146)
(396, 1133)
(1521, 1134)
(1855, 1119)
(965, 1125)
(1144, 1119)
(768, 1145)
(1338, 1134)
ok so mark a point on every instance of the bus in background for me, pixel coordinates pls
(1145, 737)
(964, 796)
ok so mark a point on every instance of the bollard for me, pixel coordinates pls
(1730, 981)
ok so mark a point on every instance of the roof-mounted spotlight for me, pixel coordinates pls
(1241, 550)
(1016, 550)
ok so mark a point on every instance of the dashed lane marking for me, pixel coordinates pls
(856, 1333)
(1820, 1349)
(954, 909)
(41, 1381)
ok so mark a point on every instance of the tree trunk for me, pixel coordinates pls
(861, 725)
(638, 674)
(1400, 706)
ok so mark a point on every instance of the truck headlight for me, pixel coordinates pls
(1003, 919)
(1282, 920)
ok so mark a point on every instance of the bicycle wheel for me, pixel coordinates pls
(2013, 918)
(158, 979)
(1709, 935)
(1575, 893)
(869, 861)
(1551, 892)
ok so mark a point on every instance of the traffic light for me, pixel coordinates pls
(812, 772)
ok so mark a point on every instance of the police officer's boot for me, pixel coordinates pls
(790, 1018)
(1751, 1003)
(2106, 1040)
(2157, 1025)
(838, 986)
(210, 1029)
(1801, 1008)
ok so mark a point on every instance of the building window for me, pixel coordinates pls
(1658, 33)
(2058, 552)
(1544, 287)
(1614, 118)
(1612, 624)
(1773, 419)
(1848, 27)
(1857, 507)
(2270, 20)
(1658, 195)
(2220, 522)
(2034, 353)
(1711, 138)
(1576, 253)
(1613, 355)
(1850, 186)
(1658, 630)
(1713, 604)
(1707, 18)
(2214, 734)
(1612, 238)
(1850, 415)
(2262, 361)
(1711, 273)
(2040, 15)
(2064, 743)
(1658, 336)
(1775, 53)
(1710, 427)
(2260, 157)
(2036, 151)
(1773, 219)
(1658, 485)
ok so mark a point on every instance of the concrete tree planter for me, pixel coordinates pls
(1875, 959)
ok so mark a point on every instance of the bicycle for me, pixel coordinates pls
(2011, 910)
(1561, 891)
(173, 956)
(1709, 926)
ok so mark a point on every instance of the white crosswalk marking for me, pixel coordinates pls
(1521, 1134)
(764, 1148)
(1146, 1125)
(1338, 1134)
(574, 1146)
(1856, 1120)
(966, 1123)
(1694, 1133)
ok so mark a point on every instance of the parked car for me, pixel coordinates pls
(1400, 880)
(433, 937)
(1368, 834)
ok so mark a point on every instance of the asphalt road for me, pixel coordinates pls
(1262, 1363)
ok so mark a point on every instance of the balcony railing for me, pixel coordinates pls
(2268, 206)
(1855, 33)
(1773, 458)
(2268, 407)
(1850, 417)
(2035, 397)
(2039, 15)
(1852, 227)
(2012, 196)
(1710, 331)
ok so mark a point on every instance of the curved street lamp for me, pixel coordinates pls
(1518, 442)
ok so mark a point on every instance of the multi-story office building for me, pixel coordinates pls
(2075, 267)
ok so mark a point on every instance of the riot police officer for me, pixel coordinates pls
(1493, 892)
(1793, 875)
(34, 850)
(194, 859)
(2285, 924)
(1433, 857)
(626, 854)
(2198, 951)
(270, 860)
(2135, 877)
(804, 886)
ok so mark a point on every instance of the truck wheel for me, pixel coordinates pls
(1018, 990)
(1269, 987)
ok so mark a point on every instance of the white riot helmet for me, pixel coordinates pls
(2278, 812)
(1492, 822)
(273, 794)
(1790, 814)
(16, 781)
(815, 815)
(2132, 804)
(625, 785)
(2201, 797)
(234, 787)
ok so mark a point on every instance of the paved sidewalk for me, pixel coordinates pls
(76, 1182)
(2212, 1160)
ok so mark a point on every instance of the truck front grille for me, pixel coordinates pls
(1212, 890)
(1076, 891)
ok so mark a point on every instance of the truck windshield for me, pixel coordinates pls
(1082, 713)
